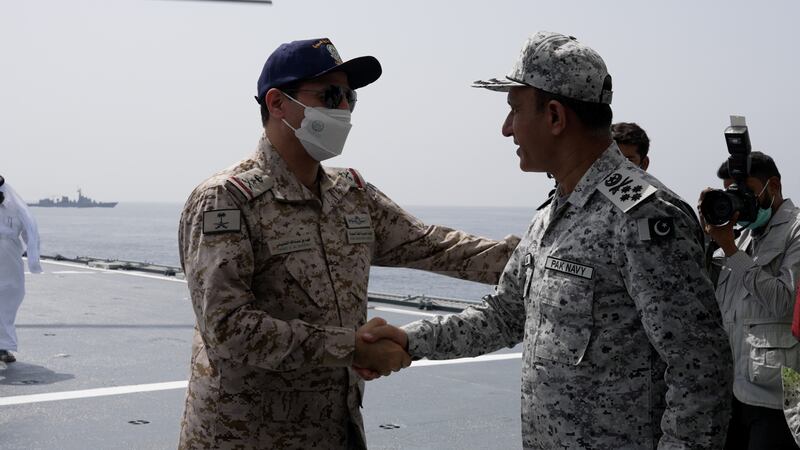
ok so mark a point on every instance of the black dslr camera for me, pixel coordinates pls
(719, 206)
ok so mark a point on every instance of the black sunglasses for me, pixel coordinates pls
(333, 95)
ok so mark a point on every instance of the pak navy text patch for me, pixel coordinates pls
(569, 267)
(222, 221)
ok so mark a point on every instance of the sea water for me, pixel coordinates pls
(148, 232)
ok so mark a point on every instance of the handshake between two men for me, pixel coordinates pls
(381, 349)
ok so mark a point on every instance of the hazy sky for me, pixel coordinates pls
(140, 100)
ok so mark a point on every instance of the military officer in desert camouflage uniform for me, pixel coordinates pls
(277, 251)
(607, 281)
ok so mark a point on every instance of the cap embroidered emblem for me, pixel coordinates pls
(334, 54)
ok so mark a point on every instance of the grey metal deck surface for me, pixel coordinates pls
(104, 356)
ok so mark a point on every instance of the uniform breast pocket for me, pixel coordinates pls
(310, 272)
(771, 346)
(565, 324)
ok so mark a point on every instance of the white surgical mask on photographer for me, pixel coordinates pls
(323, 131)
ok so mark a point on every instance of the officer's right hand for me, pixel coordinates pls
(379, 356)
(386, 331)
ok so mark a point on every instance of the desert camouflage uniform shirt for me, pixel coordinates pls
(622, 341)
(278, 282)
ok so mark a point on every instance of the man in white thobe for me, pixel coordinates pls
(17, 226)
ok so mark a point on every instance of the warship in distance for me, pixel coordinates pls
(65, 202)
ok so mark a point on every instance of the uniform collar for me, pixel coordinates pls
(602, 167)
(286, 186)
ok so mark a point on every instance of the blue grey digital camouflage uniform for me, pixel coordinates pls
(601, 299)
(278, 282)
(557, 64)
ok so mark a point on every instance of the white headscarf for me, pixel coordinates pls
(30, 232)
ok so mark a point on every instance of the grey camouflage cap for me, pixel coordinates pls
(560, 65)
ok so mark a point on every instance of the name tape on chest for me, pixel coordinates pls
(569, 267)
(358, 221)
(360, 236)
(626, 188)
(656, 229)
(222, 221)
(291, 244)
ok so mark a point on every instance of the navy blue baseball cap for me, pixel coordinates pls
(307, 59)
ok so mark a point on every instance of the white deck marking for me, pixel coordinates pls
(484, 358)
(404, 311)
(87, 393)
(135, 388)
(70, 272)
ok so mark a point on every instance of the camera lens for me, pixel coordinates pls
(717, 207)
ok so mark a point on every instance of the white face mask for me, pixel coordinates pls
(323, 131)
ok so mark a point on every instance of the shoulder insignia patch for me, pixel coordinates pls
(353, 177)
(656, 229)
(249, 184)
(222, 221)
(626, 188)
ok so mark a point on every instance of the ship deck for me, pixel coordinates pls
(104, 358)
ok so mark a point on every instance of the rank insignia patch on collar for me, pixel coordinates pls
(656, 229)
(352, 178)
(249, 184)
(222, 221)
(626, 188)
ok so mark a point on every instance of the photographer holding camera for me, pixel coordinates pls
(758, 272)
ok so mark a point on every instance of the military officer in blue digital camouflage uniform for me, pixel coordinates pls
(622, 341)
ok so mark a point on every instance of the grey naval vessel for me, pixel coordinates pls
(104, 362)
(65, 202)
